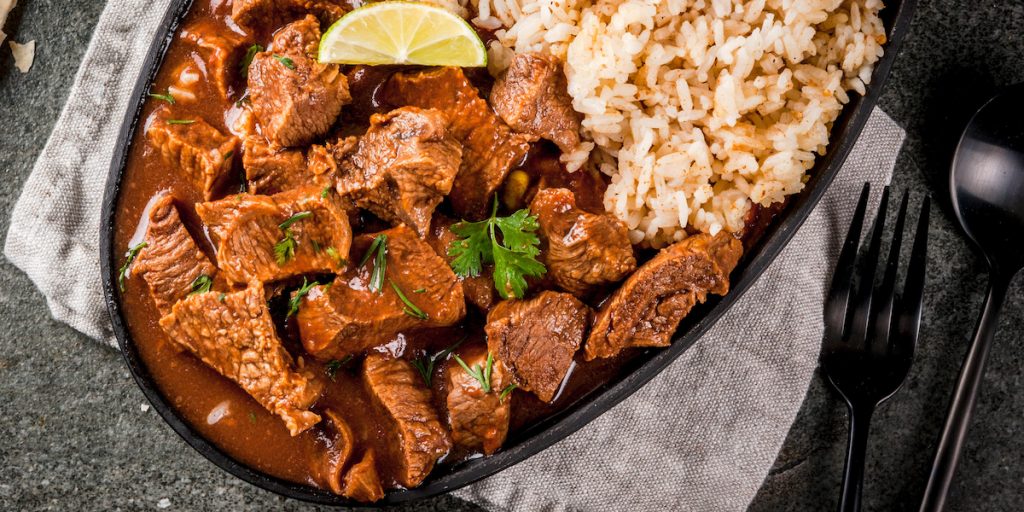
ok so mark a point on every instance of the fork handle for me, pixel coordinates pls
(962, 406)
(853, 473)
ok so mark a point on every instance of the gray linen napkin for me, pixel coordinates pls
(701, 436)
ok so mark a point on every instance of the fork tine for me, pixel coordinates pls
(887, 292)
(839, 291)
(913, 288)
(866, 274)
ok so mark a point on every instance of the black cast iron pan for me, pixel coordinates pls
(521, 445)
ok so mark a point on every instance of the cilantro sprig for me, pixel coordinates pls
(247, 60)
(514, 255)
(201, 284)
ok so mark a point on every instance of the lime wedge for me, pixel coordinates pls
(402, 33)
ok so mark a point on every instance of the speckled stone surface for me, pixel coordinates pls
(73, 435)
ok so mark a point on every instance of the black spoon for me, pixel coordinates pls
(987, 183)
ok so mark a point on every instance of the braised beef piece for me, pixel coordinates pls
(532, 97)
(272, 13)
(402, 167)
(479, 290)
(170, 262)
(536, 339)
(234, 334)
(337, 454)
(270, 170)
(347, 317)
(422, 439)
(647, 308)
(295, 98)
(221, 50)
(479, 420)
(202, 152)
(362, 482)
(251, 244)
(490, 148)
(584, 250)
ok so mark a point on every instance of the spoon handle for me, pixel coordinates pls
(959, 416)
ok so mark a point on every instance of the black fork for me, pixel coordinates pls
(870, 331)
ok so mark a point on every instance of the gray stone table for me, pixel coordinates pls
(74, 437)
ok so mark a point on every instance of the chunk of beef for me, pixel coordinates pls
(490, 147)
(479, 290)
(337, 454)
(479, 420)
(221, 50)
(249, 237)
(202, 152)
(170, 262)
(536, 339)
(347, 317)
(272, 13)
(402, 167)
(647, 308)
(421, 438)
(532, 96)
(295, 98)
(362, 482)
(584, 250)
(272, 170)
(234, 334)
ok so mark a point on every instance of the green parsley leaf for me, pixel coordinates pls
(166, 97)
(514, 256)
(180, 121)
(129, 256)
(288, 63)
(410, 308)
(483, 376)
(293, 304)
(201, 284)
(247, 60)
(506, 392)
(293, 219)
(284, 250)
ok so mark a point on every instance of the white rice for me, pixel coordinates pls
(697, 109)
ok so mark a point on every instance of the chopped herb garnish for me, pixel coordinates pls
(379, 250)
(228, 154)
(252, 417)
(316, 246)
(332, 367)
(333, 253)
(122, 273)
(284, 250)
(425, 364)
(506, 392)
(482, 375)
(419, 290)
(410, 308)
(325, 192)
(288, 63)
(201, 284)
(293, 219)
(244, 99)
(222, 297)
(247, 60)
(293, 304)
(180, 121)
(514, 256)
(243, 184)
(166, 97)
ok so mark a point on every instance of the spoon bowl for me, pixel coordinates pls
(987, 186)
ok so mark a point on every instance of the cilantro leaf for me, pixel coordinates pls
(201, 284)
(514, 256)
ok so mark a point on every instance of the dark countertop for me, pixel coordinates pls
(74, 435)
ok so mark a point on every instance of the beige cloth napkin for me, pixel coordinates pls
(701, 436)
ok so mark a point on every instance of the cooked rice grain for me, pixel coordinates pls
(697, 109)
